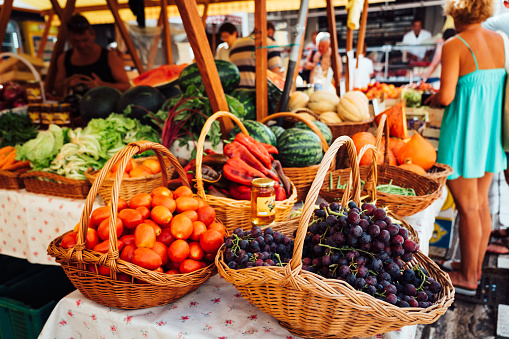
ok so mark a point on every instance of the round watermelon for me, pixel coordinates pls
(170, 89)
(228, 73)
(141, 99)
(257, 130)
(299, 148)
(247, 97)
(278, 130)
(327, 134)
(99, 102)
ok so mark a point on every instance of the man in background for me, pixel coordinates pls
(323, 56)
(87, 62)
(229, 35)
(416, 36)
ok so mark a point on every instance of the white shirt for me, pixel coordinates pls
(411, 39)
(363, 73)
(223, 52)
(499, 22)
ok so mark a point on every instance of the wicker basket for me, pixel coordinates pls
(234, 213)
(161, 288)
(439, 173)
(426, 190)
(302, 177)
(11, 180)
(130, 186)
(312, 306)
(54, 184)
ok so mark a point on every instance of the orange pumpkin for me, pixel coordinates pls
(396, 118)
(419, 151)
(413, 167)
(392, 158)
(362, 139)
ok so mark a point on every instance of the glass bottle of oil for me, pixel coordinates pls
(263, 202)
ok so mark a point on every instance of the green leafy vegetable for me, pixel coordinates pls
(15, 129)
(41, 150)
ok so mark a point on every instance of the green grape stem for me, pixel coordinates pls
(348, 249)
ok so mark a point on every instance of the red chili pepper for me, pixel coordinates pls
(240, 192)
(209, 151)
(238, 171)
(236, 149)
(256, 148)
(271, 149)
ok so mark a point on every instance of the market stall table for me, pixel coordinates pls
(30, 221)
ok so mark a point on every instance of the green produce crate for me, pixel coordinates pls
(18, 320)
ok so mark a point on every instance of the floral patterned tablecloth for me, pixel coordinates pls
(29, 222)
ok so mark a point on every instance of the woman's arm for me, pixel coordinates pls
(450, 72)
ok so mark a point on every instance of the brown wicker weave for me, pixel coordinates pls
(234, 213)
(302, 177)
(315, 307)
(11, 180)
(54, 184)
(439, 173)
(161, 288)
(130, 186)
(426, 190)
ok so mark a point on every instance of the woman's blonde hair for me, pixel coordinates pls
(468, 12)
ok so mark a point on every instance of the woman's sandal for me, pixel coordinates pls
(498, 247)
(465, 291)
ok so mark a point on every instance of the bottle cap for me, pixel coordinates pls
(262, 182)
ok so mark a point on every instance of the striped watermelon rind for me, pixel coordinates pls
(278, 130)
(228, 73)
(247, 97)
(257, 130)
(327, 134)
(299, 148)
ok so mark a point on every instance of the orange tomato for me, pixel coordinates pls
(145, 212)
(191, 215)
(92, 238)
(128, 167)
(201, 202)
(159, 269)
(127, 239)
(195, 251)
(189, 265)
(130, 217)
(178, 250)
(146, 258)
(161, 190)
(140, 199)
(104, 229)
(182, 191)
(206, 214)
(162, 250)
(144, 236)
(186, 204)
(156, 227)
(218, 227)
(198, 229)
(98, 215)
(211, 240)
(173, 271)
(68, 240)
(120, 206)
(165, 237)
(128, 252)
(181, 227)
(161, 215)
(164, 200)
(153, 165)
(140, 172)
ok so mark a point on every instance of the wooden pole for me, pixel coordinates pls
(301, 47)
(331, 20)
(155, 41)
(59, 45)
(205, 60)
(261, 59)
(362, 31)
(113, 6)
(205, 14)
(4, 17)
(44, 39)
(349, 47)
(58, 10)
(166, 33)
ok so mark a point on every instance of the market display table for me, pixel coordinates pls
(29, 222)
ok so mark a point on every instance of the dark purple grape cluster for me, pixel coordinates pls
(257, 247)
(363, 247)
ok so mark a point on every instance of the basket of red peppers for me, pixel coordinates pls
(224, 180)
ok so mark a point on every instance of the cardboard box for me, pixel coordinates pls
(444, 224)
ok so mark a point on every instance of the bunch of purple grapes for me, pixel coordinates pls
(363, 247)
(257, 248)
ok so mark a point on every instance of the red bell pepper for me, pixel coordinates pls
(240, 192)
(280, 192)
(256, 148)
(238, 171)
(238, 150)
(271, 149)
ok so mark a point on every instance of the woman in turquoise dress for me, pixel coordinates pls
(472, 89)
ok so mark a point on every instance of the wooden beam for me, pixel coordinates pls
(113, 6)
(362, 31)
(44, 39)
(155, 41)
(4, 17)
(59, 45)
(261, 59)
(204, 58)
(205, 14)
(58, 10)
(349, 47)
(335, 61)
(166, 33)
(301, 47)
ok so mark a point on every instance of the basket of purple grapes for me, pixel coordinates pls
(342, 270)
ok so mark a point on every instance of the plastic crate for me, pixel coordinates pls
(26, 301)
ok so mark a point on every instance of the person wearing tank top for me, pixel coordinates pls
(87, 62)
(472, 89)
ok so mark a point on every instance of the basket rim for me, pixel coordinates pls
(338, 124)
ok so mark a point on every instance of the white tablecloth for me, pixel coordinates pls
(29, 222)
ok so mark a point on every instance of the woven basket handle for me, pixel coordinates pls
(124, 156)
(201, 142)
(372, 179)
(308, 123)
(307, 210)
